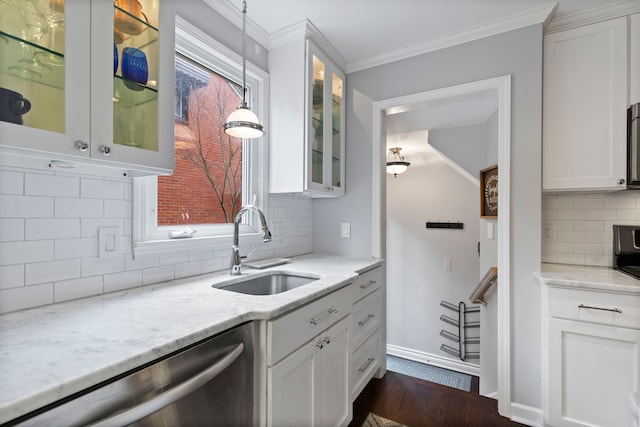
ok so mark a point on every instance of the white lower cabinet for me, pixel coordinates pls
(367, 346)
(320, 356)
(593, 358)
(309, 385)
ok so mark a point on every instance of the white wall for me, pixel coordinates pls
(416, 279)
(49, 239)
(577, 227)
(466, 145)
(517, 53)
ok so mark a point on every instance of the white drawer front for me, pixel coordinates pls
(290, 331)
(366, 283)
(365, 362)
(597, 307)
(366, 317)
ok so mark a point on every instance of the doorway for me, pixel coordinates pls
(500, 89)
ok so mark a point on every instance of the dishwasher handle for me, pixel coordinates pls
(172, 395)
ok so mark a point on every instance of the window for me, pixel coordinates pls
(214, 174)
(206, 185)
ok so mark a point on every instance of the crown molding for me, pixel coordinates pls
(615, 10)
(306, 29)
(532, 17)
(234, 15)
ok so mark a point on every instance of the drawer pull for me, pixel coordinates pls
(371, 282)
(329, 313)
(614, 310)
(369, 317)
(366, 365)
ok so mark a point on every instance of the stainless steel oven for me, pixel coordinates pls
(626, 249)
(208, 384)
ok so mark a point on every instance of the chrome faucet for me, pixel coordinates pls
(236, 259)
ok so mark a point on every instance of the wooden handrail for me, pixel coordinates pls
(477, 296)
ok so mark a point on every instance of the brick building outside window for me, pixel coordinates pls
(206, 186)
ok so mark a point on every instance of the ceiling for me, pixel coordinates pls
(372, 32)
(362, 30)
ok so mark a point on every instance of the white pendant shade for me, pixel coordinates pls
(243, 123)
(396, 168)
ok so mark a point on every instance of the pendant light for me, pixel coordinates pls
(243, 123)
(397, 165)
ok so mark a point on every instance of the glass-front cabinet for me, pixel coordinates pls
(326, 127)
(86, 83)
(306, 145)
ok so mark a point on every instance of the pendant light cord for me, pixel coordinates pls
(244, 56)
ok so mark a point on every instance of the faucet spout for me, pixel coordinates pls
(236, 259)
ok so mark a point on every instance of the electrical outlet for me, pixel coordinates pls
(546, 232)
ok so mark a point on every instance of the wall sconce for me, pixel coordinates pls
(397, 164)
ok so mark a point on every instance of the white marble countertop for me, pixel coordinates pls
(50, 352)
(586, 277)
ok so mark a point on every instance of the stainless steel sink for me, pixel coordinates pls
(269, 284)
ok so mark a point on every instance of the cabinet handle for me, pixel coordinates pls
(614, 310)
(369, 317)
(319, 344)
(621, 181)
(326, 340)
(366, 365)
(105, 150)
(371, 282)
(81, 145)
(320, 319)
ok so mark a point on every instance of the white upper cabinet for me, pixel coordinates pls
(634, 59)
(307, 118)
(585, 98)
(88, 83)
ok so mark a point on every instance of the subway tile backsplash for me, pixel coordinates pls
(577, 227)
(49, 225)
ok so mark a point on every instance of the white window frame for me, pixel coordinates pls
(150, 240)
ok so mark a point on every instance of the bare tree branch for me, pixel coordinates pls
(207, 113)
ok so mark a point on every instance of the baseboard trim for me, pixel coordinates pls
(435, 360)
(527, 415)
(492, 395)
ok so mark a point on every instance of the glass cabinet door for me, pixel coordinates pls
(326, 135)
(32, 63)
(317, 121)
(132, 62)
(44, 75)
(135, 78)
(336, 130)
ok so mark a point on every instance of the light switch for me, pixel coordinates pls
(490, 230)
(345, 230)
(447, 264)
(108, 241)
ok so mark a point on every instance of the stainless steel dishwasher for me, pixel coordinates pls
(208, 384)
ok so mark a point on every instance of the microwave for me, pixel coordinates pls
(633, 147)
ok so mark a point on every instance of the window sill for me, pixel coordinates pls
(170, 247)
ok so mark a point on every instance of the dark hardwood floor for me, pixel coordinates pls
(418, 403)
